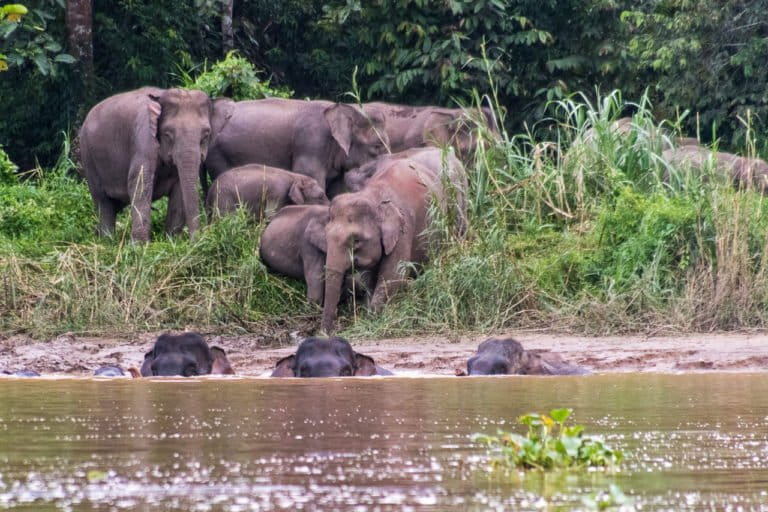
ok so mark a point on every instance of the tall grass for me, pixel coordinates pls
(573, 225)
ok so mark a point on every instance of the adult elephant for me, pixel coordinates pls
(319, 139)
(412, 127)
(507, 356)
(376, 230)
(186, 354)
(141, 145)
(743, 171)
(327, 357)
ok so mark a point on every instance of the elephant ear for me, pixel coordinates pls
(340, 118)
(222, 110)
(146, 366)
(364, 366)
(220, 364)
(392, 223)
(285, 367)
(315, 233)
(153, 113)
(532, 363)
(296, 193)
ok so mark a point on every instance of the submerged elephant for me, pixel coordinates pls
(261, 189)
(412, 127)
(378, 229)
(20, 373)
(141, 145)
(319, 139)
(327, 357)
(507, 357)
(186, 354)
(742, 171)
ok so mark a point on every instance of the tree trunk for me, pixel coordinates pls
(79, 18)
(227, 12)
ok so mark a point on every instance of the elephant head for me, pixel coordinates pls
(186, 122)
(361, 136)
(306, 190)
(325, 357)
(507, 357)
(362, 229)
(185, 354)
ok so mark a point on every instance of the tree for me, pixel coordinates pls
(79, 20)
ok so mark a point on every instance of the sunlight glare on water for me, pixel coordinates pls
(692, 441)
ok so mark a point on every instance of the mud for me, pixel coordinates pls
(74, 355)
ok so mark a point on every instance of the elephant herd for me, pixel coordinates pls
(346, 189)
(188, 354)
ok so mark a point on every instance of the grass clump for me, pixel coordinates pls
(550, 444)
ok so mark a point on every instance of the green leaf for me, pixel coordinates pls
(65, 58)
(560, 415)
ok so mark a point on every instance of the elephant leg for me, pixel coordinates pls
(174, 220)
(314, 269)
(314, 168)
(141, 178)
(391, 278)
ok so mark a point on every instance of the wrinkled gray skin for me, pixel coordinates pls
(412, 127)
(742, 171)
(187, 355)
(441, 162)
(377, 229)
(261, 189)
(319, 139)
(507, 357)
(141, 145)
(327, 357)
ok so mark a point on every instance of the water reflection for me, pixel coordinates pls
(696, 442)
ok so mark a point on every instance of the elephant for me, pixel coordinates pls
(412, 127)
(742, 171)
(186, 354)
(109, 371)
(506, 356)
(442, 162)
(20, 373)
(319, 139)
(261, 189)
(141, 145)
(293, 245)
(377, 229)
(327, 357)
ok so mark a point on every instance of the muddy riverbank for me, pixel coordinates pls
(75, 355)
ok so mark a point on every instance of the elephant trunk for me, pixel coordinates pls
(188, 166)
(335, 268)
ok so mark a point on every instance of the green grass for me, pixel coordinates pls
(572, 226)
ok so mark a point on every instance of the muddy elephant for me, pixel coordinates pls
(507, 356)
(377, 230)
(261, 190)
(742, 171)
(319, 139)
(187, 355)
(142, 145)
(412, 127)
(442, 162)
(327, 357)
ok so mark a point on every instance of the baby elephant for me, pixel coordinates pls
(261, 189)
(186, 354)
(507, 357)
(327, 357)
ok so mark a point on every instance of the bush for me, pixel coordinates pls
(7, 169)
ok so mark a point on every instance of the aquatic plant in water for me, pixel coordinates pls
(550, 444)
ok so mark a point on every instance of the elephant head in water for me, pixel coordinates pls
(507, 357)
(326, 357)
(186, 354)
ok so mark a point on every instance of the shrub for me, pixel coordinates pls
(7, 169)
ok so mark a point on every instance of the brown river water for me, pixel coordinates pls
(692, 442)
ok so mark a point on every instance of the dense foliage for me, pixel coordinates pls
(706, 57)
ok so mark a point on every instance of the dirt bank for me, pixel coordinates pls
(429, 355)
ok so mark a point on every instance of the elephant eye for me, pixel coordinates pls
(190, 370)
(206, 134)
(345, 372)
